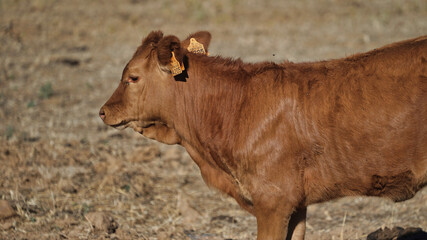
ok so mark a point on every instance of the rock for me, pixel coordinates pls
(163, 236)
(6, 211)
(65, 223)
(100, 167)
(102, 221)
(124, 232)
(121, 234)
(146, 153)
(77, 232)
(68, 188)
(110, 164)
(398, 233)
(172, 154)
(412, 233)
(384, 234)
(224, 218)
(7, 225)
(201, 236)
(189, 215)
(73, 62)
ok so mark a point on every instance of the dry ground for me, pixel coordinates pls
(61, 60)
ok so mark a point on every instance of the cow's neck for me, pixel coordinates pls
(215, 107)
(209, 110)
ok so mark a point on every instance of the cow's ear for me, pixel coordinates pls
(152, 39)
(167, 46)
(202, 37)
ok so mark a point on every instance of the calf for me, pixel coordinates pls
(279, 137)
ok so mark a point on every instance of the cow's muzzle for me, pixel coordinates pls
(102, 114)
(108, 119)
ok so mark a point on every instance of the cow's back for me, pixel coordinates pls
(367, 114)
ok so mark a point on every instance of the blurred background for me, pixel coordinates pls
(63, 171)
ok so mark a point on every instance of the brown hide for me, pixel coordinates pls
(278, 137)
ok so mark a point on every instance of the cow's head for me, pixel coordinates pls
(144, 99)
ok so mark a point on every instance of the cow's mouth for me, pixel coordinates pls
(121, 125)
(147, 126)
(140, 126)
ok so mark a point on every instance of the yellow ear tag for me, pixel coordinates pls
(175, 67)
(196, 47)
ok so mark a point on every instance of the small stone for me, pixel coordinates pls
(398, 233)
(77, 232)
(69, 189)
(6, 211)
(172, 154)
(110, 164)
(65, 223)
(189, 215)
(6, 225)
(101, 221)
(146, 153)
(163, 236)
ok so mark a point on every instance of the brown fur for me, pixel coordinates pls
(278, 137)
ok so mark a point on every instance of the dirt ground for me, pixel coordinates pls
(63, 172)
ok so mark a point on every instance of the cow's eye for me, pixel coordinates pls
(133, 79)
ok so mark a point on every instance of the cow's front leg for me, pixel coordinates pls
(296, 227)
(272, 223)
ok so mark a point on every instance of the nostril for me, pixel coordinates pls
(102, 114)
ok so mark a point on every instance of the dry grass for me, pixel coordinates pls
(60, 60)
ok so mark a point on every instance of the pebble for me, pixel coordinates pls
(6, 211)
(102, 221)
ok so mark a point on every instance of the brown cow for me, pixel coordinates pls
(278, 137)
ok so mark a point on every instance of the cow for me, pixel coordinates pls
(278, 137)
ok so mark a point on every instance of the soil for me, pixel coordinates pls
(68, 176)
